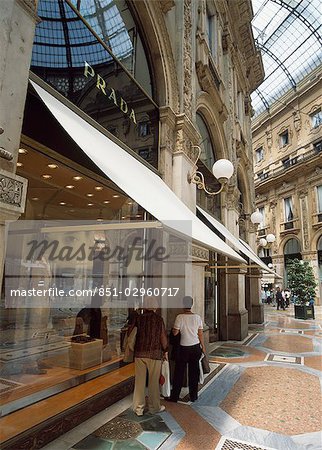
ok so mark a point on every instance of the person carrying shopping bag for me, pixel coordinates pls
(190, 351)
(151, 347)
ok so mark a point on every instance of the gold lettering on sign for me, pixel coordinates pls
(109, 92)
(100, 84)
(112, 96)
(88, 70)
(132, 116)
(123, 106)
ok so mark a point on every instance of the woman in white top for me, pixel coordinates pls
(190, 327)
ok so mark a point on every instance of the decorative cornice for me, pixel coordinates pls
(166, 5)
(13, 191)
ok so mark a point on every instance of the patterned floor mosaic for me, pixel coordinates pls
(128, 431)
(255, 399)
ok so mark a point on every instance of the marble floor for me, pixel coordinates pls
(264, 393)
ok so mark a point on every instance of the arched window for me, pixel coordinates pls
(207, 151)
(292, 250)
(292, 247)
(114, 23)
(205, 163)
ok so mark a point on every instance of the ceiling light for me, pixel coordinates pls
(35, 198)
(130, 203)
(98, 188)
(89, 195)
(77, 178)
(52, 166)
(106, 202)
(116, 196)
(62, 203)
(123, 217)
(19, 164)
(69, 186)
(90, 204)
(99, 219)
(138, 215)
(46, 176)
(22, 151)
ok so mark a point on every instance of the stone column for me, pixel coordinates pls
(223, 300)
(17, 19)
(237, 313)
(253, 305)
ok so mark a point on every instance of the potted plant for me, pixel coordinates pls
(302, 282)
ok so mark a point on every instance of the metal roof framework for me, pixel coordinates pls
(288, 33)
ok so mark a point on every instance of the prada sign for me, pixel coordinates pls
(109, 92)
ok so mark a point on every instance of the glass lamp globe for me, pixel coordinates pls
(223, 169)
(270, 238)
(270, 265)
(263, 242)
(256, 217)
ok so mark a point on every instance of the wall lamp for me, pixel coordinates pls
(256, 218)
(222, 170)
(266, 242)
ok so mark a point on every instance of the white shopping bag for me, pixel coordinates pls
(201, 375)
(165, 388)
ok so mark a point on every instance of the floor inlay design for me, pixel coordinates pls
(233, 444)
(227, 352)
(292, 331)
(8, 385)
(284, 359)
(128, 431)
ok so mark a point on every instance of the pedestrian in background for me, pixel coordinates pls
(280, 301)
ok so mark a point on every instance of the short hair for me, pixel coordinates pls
(150, 302)
(187, 302)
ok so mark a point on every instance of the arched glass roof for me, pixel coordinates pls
(288, 33)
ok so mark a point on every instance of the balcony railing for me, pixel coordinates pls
(290, 225)
(317, 220)
(290, 163)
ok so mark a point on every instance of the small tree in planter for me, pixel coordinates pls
(302, 282)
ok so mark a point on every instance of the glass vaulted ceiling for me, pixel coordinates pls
(289, 35)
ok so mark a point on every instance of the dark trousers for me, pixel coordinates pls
(187, 355)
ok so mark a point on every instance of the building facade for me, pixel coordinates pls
(287, 160)
(158, 79)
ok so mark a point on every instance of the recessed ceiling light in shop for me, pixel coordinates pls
(52, 166)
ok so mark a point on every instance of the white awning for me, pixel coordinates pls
(133, 177)
(237, 243)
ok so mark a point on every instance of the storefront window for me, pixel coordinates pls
(68, 56)
(71, 335)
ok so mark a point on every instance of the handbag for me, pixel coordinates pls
(129, 345)
(165, 388)
(205, 364)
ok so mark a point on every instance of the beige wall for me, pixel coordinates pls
(297, 179)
